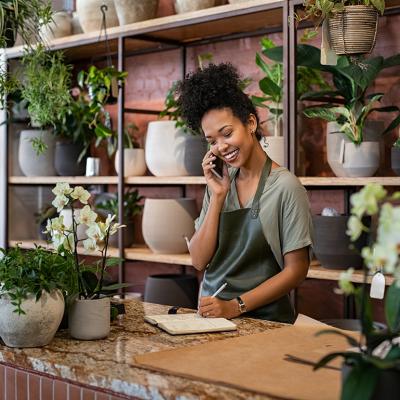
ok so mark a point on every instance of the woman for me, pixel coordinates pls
(254, 230)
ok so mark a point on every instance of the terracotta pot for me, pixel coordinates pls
(166, 222)
(395, 160)
(134, 162)
(274, 146)
(37, 326)
(90, 15)
(60, 26)
(130, 11)
(32, 164)
(183, 6)
(89, 319)
(66, 159)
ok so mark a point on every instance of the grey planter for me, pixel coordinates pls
(331, 245)
(128, 236)
(195, 150)
(66, 159)
(396, 160)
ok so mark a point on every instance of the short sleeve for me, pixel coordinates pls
(204, 208)
(296, 222)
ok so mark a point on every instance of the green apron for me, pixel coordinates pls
(244, 259)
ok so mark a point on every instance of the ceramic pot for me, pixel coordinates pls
(134, 162)
(66, 159)
(395, 160)
(75, 24)
(332, 245)
(362, 160)
(274, 146)
(37, 326)
(166, 222)
(173, 290)
(173, 152)
(90, 15)
(128, 236)
(89, 319)
(60, 26)
(32, 164)
(183, 6)
(130, 11)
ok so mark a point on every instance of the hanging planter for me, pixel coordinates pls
(353, 31)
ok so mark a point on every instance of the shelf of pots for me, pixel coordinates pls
(186, 27)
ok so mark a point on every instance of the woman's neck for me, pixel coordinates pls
(254, 165)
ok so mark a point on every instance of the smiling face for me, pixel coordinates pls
(228, 137)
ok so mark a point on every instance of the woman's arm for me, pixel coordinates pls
(295, 269)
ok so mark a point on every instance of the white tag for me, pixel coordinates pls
(377, 286)
(328, 56)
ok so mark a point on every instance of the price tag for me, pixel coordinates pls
(377, 286)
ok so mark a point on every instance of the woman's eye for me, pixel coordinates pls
(227, 134)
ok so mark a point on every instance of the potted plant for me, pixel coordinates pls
(134, 159)
(271, 86)
(89, 311)
(131, 11)
(395, 153)
(351, 25)
(132, 207)
(33, 283)
(45, 82)
(372, 367)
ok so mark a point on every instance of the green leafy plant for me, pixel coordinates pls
(308, 78)
(64, 239)
(378, 350)
(30, 272)
(132, 205)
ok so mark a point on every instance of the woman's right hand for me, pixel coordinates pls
(219, 187)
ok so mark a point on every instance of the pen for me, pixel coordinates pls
(219, 290)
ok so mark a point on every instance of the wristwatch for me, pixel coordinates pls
(241, 304)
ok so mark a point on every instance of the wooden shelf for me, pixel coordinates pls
(184, 28)
(338, 181)
(107, 180)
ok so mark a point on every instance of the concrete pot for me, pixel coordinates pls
(274, 146)
(89, 319)
(183, 6)
(134, 162)
(395, 160)
(166, 222)
(362, 160)
(130, 11)
(90, 15)
(66, 159)
(30, 163)
(37, 326)
(60, 26)
(172, 152)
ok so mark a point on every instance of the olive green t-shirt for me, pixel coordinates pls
(284, 212)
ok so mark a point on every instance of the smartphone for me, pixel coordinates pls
(218, 170)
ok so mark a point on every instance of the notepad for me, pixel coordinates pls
(182, 324)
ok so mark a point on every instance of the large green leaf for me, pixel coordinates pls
(270, 88)
(379, 5)
(327, 113)
(394, 124)
(263, 66)
(360, 383)
(392, 307)
(350, 340)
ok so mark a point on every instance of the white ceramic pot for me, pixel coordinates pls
(360, 161)
(75, 24)
(183, 6)
(90, 15)
(274, 146)
(60, 26)
(130, 11)
(172, 152)
(134, 162)
(166, 223)
(37, 326)
(67, 214)
(30, 163)
(89, 319)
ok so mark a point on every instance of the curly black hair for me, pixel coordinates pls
(214, 87)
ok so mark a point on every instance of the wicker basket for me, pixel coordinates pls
(353, 31)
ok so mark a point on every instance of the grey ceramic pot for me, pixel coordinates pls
(195, 150)
(66, 159)
(128, 236)
(332, 245)
(396, 160)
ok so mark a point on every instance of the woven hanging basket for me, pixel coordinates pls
(353, 31)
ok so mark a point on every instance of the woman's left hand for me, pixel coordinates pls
(212, 307)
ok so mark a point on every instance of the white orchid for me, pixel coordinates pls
(366, 200)
(345, 285)
(112, 227)
(354, 227)
(87, 216)
(60, 202)
(90, 245)
(389, 225)
(62, 189)
(79, 193)
(381, 256)
(95, 232)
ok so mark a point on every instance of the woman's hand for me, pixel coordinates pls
(212, 307)
(218, 187)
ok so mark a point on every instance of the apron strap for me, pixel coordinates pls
(255, 207)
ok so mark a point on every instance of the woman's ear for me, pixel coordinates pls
(252, 123)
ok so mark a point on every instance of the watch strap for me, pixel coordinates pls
(241, 305)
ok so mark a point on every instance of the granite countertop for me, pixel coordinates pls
(110, 364)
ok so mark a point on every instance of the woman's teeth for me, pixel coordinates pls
(231, 156)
